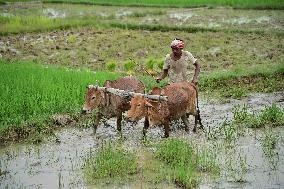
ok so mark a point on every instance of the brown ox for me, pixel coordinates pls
(110, 105)
(182, 101)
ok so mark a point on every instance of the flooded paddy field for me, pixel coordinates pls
(58, 162)
(243, 56)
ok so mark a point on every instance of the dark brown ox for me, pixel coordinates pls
(182, 101)
(110, 105)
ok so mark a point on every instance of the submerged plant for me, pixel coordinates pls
(269, 142)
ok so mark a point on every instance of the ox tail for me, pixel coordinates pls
(197, 106)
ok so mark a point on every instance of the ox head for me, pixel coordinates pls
(138, 108)
(94, 99)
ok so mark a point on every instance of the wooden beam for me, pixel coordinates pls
(129, 94)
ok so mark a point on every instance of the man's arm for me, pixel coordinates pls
(162, 75)
(196, 72)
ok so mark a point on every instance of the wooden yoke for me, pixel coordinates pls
(127, 94)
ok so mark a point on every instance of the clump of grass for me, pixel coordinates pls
(150, 63)
(186, 161)
(273, 116)
(180, 156)
(111, 66)
(110, 162)
(129, 66)
(176, 152)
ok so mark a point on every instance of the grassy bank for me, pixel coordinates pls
(31, 93)
(247, 4)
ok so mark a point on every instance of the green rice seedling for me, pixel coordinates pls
(186, 177)
(269, 143)
(236, 167)
(207, 160)
(111, 66)
(129, 66)
(228, 132)
(110, 162)
(32, 93)
(150, 63)
(160, 64)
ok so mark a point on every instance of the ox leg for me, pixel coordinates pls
(146, 126)
(167, 129)
(186, 123)
(97, 121)
(118, 122)
(195, 123)
(199, 119)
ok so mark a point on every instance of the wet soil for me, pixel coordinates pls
(58, 162)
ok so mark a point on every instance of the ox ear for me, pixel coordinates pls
(148, 104)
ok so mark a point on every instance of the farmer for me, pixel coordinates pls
(176, 64)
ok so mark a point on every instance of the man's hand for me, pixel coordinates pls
(158, 79)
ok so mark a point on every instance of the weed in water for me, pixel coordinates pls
(269, 142)
(207, 160)
(237, 167)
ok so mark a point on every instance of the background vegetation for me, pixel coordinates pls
(259, 4)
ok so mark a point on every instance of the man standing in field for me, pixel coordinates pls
(176, 64)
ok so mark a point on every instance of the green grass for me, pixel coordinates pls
(249, 4)
(110, 162)
(31, 93)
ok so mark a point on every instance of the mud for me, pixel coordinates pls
(58, 162)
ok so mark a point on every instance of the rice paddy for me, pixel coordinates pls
(51, 50)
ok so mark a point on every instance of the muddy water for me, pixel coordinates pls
(58, 163)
